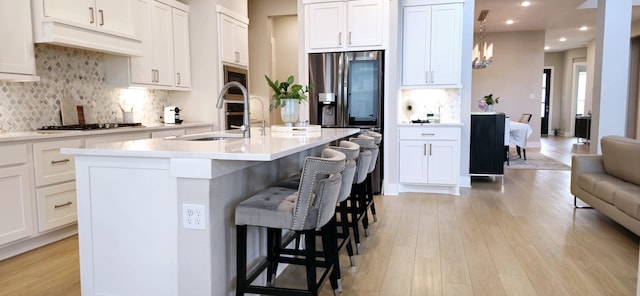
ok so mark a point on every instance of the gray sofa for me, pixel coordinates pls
(610, 182)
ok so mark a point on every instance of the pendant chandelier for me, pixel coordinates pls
(482, 52)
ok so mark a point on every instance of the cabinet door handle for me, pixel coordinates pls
(60, 161)
(428, 134)
(92, 18)
(101, 17)
(349, 38)
(340, 38)
(425, 149)
(178, 78)
(426, 76)
(432, 75)
(62, 205)
(430, 149)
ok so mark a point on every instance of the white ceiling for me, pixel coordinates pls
(558, 18)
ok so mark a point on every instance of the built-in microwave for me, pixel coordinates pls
(235, 74)
(234, 107)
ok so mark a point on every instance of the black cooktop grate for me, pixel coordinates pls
(92, 126)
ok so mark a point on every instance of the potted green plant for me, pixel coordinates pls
(287, 96)
(286, 90)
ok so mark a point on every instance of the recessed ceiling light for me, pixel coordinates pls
(525, 3)
(546, 48)
(584, 28)
(563, 39)
(509, 22)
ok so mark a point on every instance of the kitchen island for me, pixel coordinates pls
(135, 235)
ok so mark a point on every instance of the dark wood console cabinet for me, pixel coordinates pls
(487, 144)
(583, 128)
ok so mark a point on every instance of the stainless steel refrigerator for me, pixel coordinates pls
(348, 92)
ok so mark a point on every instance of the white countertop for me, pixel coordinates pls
(256, 148)
(445, 124)
(8, 136)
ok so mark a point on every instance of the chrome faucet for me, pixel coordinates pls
(262, 128)
(246, 125)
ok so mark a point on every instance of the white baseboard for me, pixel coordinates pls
(29, 244)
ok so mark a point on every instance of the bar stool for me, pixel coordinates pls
(357, 198)
(377, 138)
(351, 151)
(306, 210)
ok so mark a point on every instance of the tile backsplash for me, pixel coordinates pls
(78, 74)
(445, 102)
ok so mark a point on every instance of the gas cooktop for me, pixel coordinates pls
(92, 126)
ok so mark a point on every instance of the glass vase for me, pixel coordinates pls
(289, 111)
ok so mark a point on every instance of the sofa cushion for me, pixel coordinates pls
(621, 157)
(586, 181)
(628, 201)
(606, 188)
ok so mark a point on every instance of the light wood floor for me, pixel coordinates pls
(521, 239)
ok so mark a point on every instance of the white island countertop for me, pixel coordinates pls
(256, 148)
(132, 199)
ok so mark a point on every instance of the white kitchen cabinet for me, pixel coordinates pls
(111, 15)
(165, 62)
(155, 66)
(56, 205)
(345, 25)
(16, 215)
(429, 156)
(102, 25)
(233, 32)
(50, 165)
(431, 45)
(17, 55)
(181, 47)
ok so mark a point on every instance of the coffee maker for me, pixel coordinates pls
(327, 109)
(172, 115)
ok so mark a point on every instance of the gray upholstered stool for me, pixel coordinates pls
(351, 151)
(357, 198)
(306, 210)
(377, 139)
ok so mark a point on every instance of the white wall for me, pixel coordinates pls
(515, 76)
(568, 105)
(199, 104)
(260, 47)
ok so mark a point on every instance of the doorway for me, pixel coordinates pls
(284, 52)
(545, 98)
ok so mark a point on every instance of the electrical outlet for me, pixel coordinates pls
(193, 216)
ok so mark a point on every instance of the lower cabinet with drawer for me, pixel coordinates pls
(429, 159)
(16, 215)
(56, 205)
(55, 183)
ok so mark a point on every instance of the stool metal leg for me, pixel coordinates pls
(310, 253)
(241, 259)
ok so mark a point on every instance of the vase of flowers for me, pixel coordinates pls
(287, 96)
(486, 104)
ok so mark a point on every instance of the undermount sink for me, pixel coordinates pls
(215, 136)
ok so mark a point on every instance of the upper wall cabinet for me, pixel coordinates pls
(165, 63)
(346, 25)
(100, 25)
(431, 45)
(17, 56)
(233, 37)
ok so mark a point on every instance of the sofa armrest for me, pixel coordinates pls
(580, 164)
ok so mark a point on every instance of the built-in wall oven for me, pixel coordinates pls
(234, 106)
